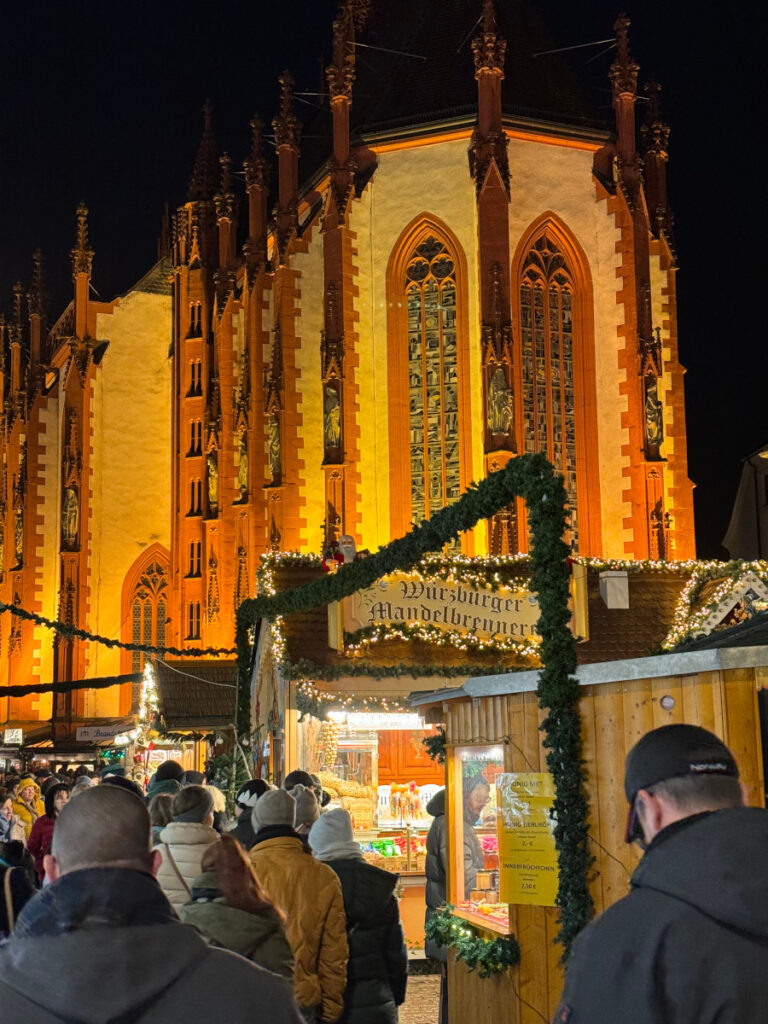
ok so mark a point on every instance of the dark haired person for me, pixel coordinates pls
(689, 944)
(101, 943)
(41, 836)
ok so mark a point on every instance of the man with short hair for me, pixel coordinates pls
(689, 944)
(101, 943)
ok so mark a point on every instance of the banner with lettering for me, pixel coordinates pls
(527, 852)
(403, 598)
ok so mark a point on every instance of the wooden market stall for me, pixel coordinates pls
(492, 728)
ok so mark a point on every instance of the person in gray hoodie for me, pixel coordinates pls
(101, 944)
(689, 944)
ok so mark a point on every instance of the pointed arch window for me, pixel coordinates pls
(546, 325)
(430, 291)
(149, 611)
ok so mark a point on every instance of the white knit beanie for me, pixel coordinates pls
(307, 807)
(274, 808)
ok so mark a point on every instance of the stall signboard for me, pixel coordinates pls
(94, 733)
(481, 611)
(527, 853)
(13, 737)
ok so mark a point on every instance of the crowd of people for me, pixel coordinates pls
(280, 902)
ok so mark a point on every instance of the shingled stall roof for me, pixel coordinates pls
(196, 694)
(614, 633)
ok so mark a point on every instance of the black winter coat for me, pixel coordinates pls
(377, 971)
(434, 869)
(17, 882)
(689, 945)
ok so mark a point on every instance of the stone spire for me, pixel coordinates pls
(205, 174)
(623, 75)
(655, 136)
(287, 136)
(256, 183)
(82, 255)
(37, 301)
(489, 141)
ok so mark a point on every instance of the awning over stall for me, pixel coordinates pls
(196, 695)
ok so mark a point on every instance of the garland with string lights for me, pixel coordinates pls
(71, 632)
(487, 956)
(532, 478)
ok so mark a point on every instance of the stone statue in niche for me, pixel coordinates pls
(275, 452)
(332, 417)
(654, 414)
(213, 482)
(499, 403)
(2, 552)
(242, 467)
(18, 536)
(70, 516)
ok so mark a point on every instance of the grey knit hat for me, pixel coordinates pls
(274, 808)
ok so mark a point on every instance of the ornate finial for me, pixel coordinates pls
(341, 72)
(2, 337)
(36, 296)
(82, 256)
(655, 133)
(488, 46)
(624, 69)
(16, 325)
(286, 125)
(256, 165)
(205, 173)
(224, 200)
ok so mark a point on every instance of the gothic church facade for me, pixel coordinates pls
(475, 270)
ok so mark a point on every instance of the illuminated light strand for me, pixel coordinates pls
(687, 624)
(356, 644)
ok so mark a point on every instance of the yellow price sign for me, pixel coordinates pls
(527, 853)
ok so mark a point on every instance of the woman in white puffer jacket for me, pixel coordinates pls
(184, 841)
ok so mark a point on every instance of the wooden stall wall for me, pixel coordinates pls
(614, 717)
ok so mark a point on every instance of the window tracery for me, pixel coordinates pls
(149, 610)
(546, 327)
(432, 378)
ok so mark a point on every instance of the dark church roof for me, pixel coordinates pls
(395, 90)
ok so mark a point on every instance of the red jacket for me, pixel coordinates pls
(39, 842)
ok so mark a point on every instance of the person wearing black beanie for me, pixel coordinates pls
(167, 779)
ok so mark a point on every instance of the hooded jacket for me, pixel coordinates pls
(182, 843)
(434, 868)
(310, 895)
(377, 972)
(28, 813)
(689, 944)
(259, 937)
(121, 955)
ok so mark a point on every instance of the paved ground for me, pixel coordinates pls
(421, 1000)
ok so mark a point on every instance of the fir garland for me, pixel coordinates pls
(532, 478)
(435, 745)
(487, 956)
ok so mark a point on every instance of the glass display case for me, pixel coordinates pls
(473, 841)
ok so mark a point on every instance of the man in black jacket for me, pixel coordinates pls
(689, 944)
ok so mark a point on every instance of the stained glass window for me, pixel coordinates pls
(432, 379)
(148, 611)
(546, 306)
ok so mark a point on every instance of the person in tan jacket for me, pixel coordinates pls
(184, 841)
(309, 893)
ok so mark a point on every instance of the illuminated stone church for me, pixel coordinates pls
(470, 268)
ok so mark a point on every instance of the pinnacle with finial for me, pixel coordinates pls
(82, 256)
(36, 296)
(488, 47)
(224, 200)
(655, 133)
(205, 173)
(624, 69)
(256, 165)
(286, 124)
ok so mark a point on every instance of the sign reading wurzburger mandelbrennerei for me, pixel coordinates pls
(401, 598)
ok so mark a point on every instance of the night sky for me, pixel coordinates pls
(102, 102)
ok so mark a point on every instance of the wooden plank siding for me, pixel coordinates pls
(614, 717)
